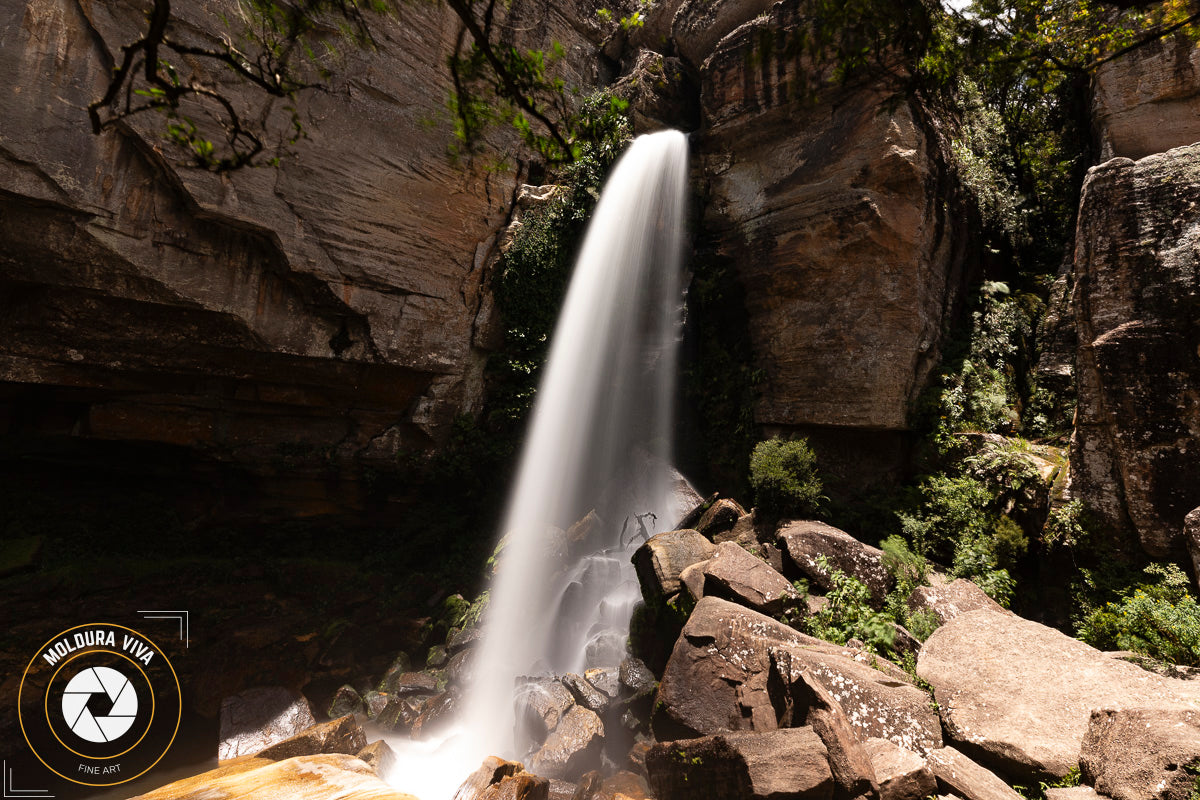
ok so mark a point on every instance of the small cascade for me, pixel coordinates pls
(595, 476)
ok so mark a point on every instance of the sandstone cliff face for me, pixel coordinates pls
(1149, 100)
(1134, 457)
(836, 216)
(329, 311)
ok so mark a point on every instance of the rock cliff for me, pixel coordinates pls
(302, 322)
(838, 216)
(1134, 456)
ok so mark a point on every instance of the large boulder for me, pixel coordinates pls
(342, 735)
(1133, 458)
(968, 779)
(949, 600)
(1018, 695)
(1148, 753)
(660, 560)
(902, 774)
(735, 574)
(572, 748)
(1148, 100)
(835, 213)
(776, 765)
(803, 541)
(320, 777)
(717, 679)
(257, 718)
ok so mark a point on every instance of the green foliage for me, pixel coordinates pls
(910, 570)
(536, 267)
(1066, 526)
(1072, 778)
(784, 477)
(1159, 618)
(848, 614)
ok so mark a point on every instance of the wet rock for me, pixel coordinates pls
(586, 694)
(461, 668)
(521, 786)
(582, 534)
(699, 24)
(721, 516)
(804, 541)
(258, 718)
(1142, 753)
(636, 677)
(717, 679)
(660, 92)
(606, 679)
(379, 757)
(692, 517)
(436, 714)
(342, 735)
(735, 574)
(949, 600)
(461, 639)
(1191, 538)
(437, 657)
(541, 704)
(1073, 793)
(625, 784)
(661, 559)
(574, 746)
(345, 701)
(605, 647)
(400, 713)
(902, 774)
(967, 778)
(490, 772)
(787, 763)
(375, 703)
(319, 777)
(562, 790)
(408, 683)
(1018, 695)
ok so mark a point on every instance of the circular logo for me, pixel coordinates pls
(99, 704)
(85, 696)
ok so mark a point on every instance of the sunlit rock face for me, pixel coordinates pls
(837, 215)
(340, 300)
(1134, 456)
(1148, 100)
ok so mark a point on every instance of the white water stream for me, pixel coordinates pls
(599, 440)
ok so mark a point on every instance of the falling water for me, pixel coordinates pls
(599, 442)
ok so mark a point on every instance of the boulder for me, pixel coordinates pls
(967, 778)
(735, 574)
(435, 715)
(258, 718)
(1146, 753)
(400, 713)
(400, 684)
(800, 700)
(319, 777)
(1148, 100)
(586, 694)
(574, 746)
(1073, 793)
(375, 702)
(773, 765)
(1018, 695)
(721, 516)
(606, 679)
(902, 774)
(1136, 267)
(521, 786)
(804, 541)
(541, 704)
(1191, 538)
(491, 771)
(718, 673)
(460, 669)
(661, 559)
(342, 735)
(462, 638)
(345, 701)
(636, 677)
(379, 756)
(949, 600)
(625, 785)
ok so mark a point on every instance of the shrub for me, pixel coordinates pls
(1159, 618)
(848, 614)
(783, 475)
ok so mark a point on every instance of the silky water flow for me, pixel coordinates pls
(598, 447)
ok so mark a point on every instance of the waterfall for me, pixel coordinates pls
(599, 441)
